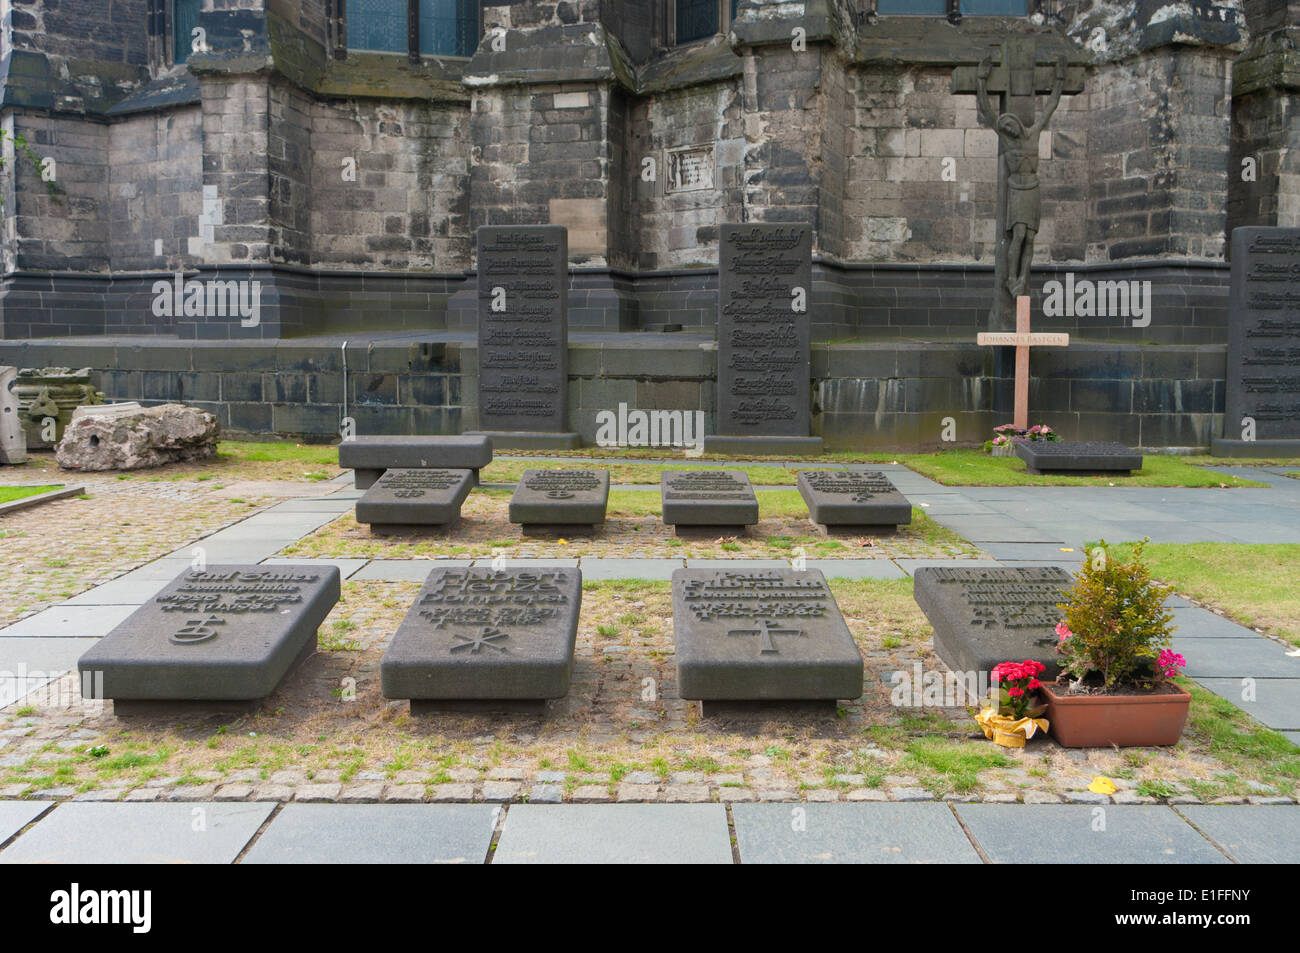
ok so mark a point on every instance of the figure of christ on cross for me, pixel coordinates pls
(1023, 210)
(1023, 340)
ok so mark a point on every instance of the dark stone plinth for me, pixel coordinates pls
(1078, 457)
(983, 616)
(707, 498)
(532, 440)
(764, 329)
(370, 456)
(742, 711)
(523, 330)
(761, 635)
(1255, 448)
(747, 446)
(1263, 370)
(856, 498)
(415, 498)
(229, 633)
(557, 498)
(487, 635)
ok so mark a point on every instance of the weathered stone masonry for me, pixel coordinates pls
(235, 165)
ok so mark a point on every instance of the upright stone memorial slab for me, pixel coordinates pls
(761, 635)
(411, 500)
(853, 500)
(523, 337)
(13, 441)
(707, 498)
(1262, 412)
(982, 616)
(485, 639)
(764, 333)
(227, 634)
(369, 456)
(1078, 458)
(560, 500)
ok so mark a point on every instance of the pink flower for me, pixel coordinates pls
(1063, 631)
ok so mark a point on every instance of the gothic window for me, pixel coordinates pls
(185, 17)
(414, 27)
(700, 19)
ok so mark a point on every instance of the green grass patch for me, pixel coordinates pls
(10, 493)
(953, 765)
(279, 451)
(1243, 745)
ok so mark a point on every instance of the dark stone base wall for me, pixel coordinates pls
(893, 395)
(1190, 302)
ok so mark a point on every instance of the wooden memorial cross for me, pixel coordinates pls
(1022, 340)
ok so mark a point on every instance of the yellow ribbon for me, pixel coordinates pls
(1009, 732)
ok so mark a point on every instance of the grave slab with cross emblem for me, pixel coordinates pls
(1079, 457)
(370, 455)
(560, 498)
(860, 498)
(486, 635)
(707, 498)
(406, 499)
(228, 633)
(982, 616)
(761, 635)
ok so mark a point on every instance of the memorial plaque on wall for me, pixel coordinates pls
(523, 328)
(1263, 377)
(765, 274)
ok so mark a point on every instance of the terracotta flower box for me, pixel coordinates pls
(1127, 721)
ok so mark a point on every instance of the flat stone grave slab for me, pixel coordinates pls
(615, 834)
(851, 834)
(843, 499)
(104, 833)
(369, 456)
(377, 834)
(1135, 834)
(1078, 457)
(406, 500)
(546, 500)
(983, 616)
(486, 639)
(1251, 834)
(229, 633)
(760, 635)
(700, 498)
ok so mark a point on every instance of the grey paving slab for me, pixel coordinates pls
(1196, 623)
(1249, 834)
(1040, 551)
(347, 567)
(15, 815)
(615, 834)
(1293, 737)
(119, 592)
(527, 563)
(406, 570)
(1274, 702)
(1227, 658)
(613, 568)
(14, 688)
(909, 566)
(110, 833)
(327, 504)
(1120, 834)
(237, 552)
(1257, 532)
(850, 834)
(377, 834)
(27, 656)
(71, 621)
(160, 570)
(737, 564)
(857, 568)
(998, 529)
(1178, 602)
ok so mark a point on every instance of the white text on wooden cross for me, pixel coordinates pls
(1022, 340)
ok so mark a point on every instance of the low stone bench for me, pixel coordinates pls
(370, 456)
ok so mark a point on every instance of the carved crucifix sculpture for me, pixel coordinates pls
(1017, 81)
